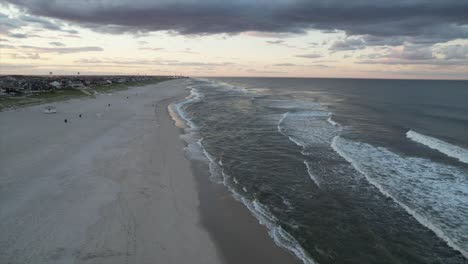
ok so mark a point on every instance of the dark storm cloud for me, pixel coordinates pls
(353, 43)
(12, 23)
(425, 20)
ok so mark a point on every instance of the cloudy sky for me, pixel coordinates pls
(297, 38)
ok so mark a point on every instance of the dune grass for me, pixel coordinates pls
(7, 102)
(40, 98)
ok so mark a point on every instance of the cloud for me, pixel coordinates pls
(5, 46)
(453, 52)
(416, 52)
(275, 41)
(151, 49)
(351, 43)
(280, 42)
(187, 50)
(46, 23)
(419, 54)
(22, 35)
(10, 23)
(264, 71)
(286, 65)
(310, 56)
(62, 50)
(70, 36)
(433, 62)
(428, 21)
(26, 56)
(56, 43)
(17, 66)
(301, 65)
(155, 62)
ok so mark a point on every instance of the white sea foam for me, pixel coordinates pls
(179, 107)
(177, 112)
(331, 122)
(214, 167)
(308, 129)
(194, 151)
(282, 131)
(446, 148)
(434, 194)
(311, 174)
(224, 85)
(280, 236)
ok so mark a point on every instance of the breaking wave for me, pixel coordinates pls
(434, 194)
(309, 129)
(446, 148)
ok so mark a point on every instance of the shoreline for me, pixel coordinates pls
(237, 233)
(112, 186)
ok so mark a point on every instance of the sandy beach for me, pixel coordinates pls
(114, 186)
(110, 187)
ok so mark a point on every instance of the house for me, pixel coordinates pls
(56, 84)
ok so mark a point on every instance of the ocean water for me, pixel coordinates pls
(340, 170)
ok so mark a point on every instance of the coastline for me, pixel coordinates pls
(112, 186)
(237, 233)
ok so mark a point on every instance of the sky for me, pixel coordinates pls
(415, 39)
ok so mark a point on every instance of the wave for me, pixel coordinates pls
(283, 131)
(446, 148)
(177, 110)
(280, 236)
(308, 129)
(311, 174)
(331, 122)
(226, 86)
(292, 104)
(259, 211)
(434, 194)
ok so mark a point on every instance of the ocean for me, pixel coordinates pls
(340, 170)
